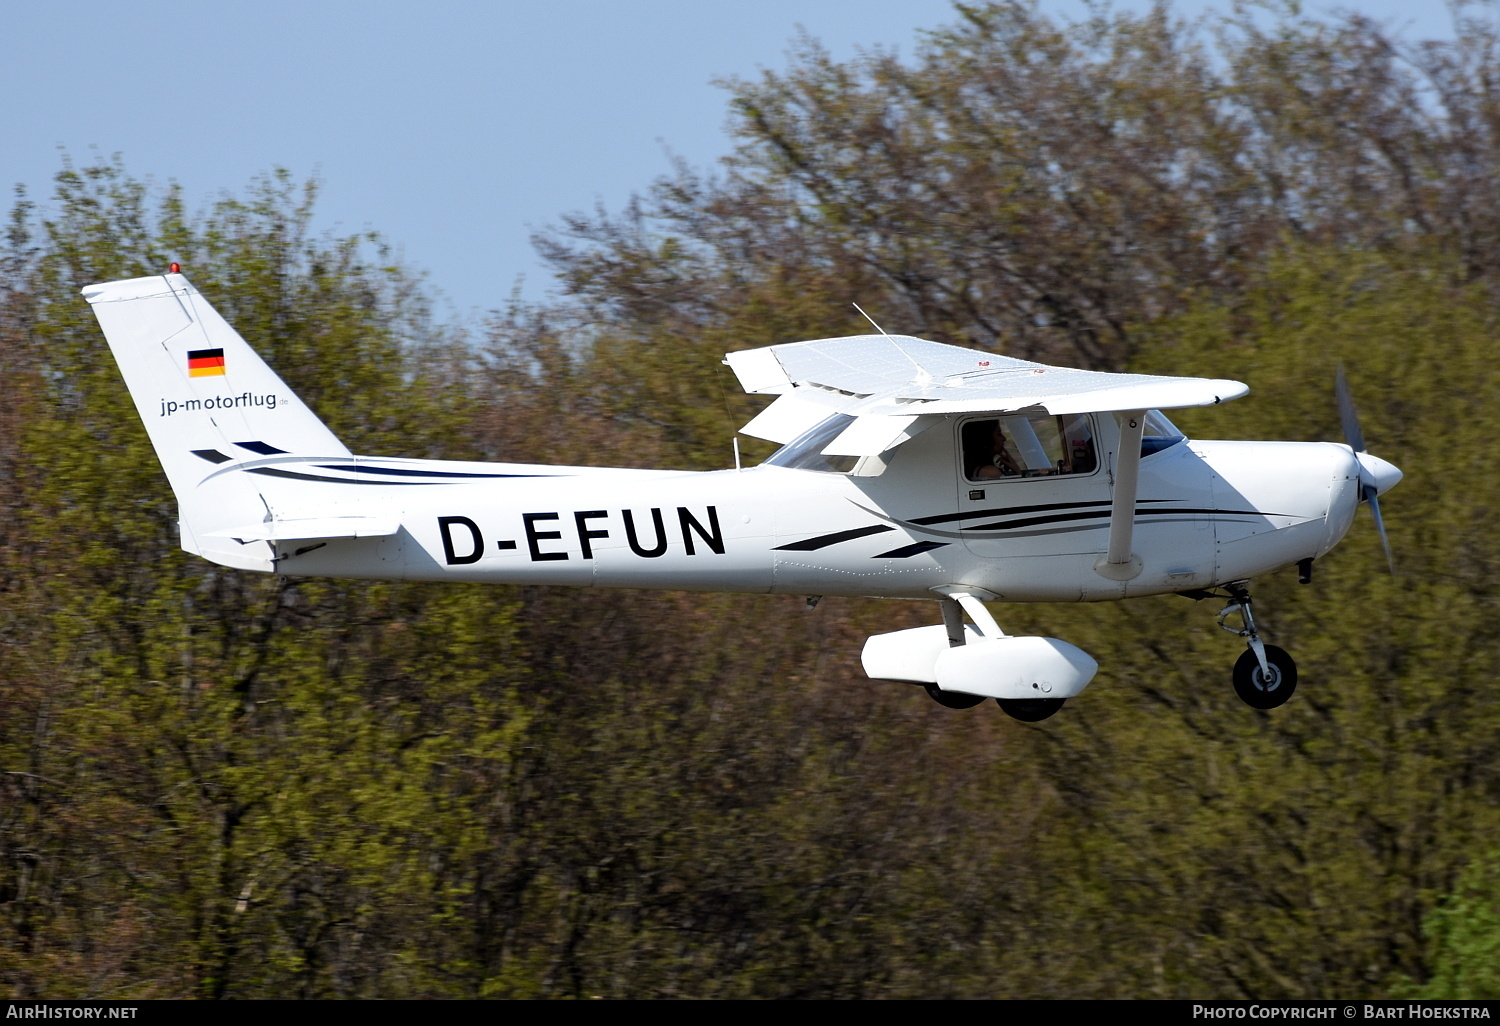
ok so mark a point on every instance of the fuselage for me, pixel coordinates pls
(900, 525)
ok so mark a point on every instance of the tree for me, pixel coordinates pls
(1465, 935)
(225, 785)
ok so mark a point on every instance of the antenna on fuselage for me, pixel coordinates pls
(922, 376)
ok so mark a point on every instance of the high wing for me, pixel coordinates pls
(890, 383)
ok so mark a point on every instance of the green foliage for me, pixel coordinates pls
(219, 784)
(1297, 852)
(180, 736)
(1465, 935)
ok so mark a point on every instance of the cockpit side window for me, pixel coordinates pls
(1017, 445)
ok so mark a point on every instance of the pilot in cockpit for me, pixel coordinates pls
(1028, 445)
(999, 461)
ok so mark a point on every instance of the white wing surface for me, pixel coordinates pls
(899, 374)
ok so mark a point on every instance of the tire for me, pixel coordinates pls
(1259, 694)
(952, 699)
(1029, 710)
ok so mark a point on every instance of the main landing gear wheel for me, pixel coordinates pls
(953, 699)
(1029, 710)
(1265, 691)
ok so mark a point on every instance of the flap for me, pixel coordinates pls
(874, 434)
(787, 418)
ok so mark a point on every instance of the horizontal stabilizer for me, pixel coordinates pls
(312, 528)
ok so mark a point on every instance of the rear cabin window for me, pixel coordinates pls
(1019, 445)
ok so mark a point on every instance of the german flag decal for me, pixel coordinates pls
(205, 363)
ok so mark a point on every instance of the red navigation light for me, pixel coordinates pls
(174, 269)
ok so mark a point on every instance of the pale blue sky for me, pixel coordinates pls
(454, 128)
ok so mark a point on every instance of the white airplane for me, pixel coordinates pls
(908, 469)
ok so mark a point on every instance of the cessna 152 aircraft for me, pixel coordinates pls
(908, 469)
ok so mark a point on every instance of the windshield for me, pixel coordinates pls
(1159, 433)
(805, 452)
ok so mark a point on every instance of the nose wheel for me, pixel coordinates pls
(1264, 676)
(1269, 688)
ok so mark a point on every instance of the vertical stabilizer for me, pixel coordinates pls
(207, 400)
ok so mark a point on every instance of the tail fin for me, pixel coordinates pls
(206, 399)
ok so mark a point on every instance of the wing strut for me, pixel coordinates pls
(1118, 563)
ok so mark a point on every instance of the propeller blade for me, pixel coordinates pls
(1373, 500)
(1372, 471)
(1347, 417)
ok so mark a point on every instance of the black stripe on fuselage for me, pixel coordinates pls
(274, 472)
(1021, 526)
(822, 541)
(1005, 511)
(443, 477)
(360, 468)
(914, 549)
(1010, 525)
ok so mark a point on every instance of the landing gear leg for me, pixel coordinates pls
(953, 619)
(1265, 676)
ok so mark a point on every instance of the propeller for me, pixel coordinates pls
(1375, 474)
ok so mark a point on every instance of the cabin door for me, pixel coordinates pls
(1031, 484)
